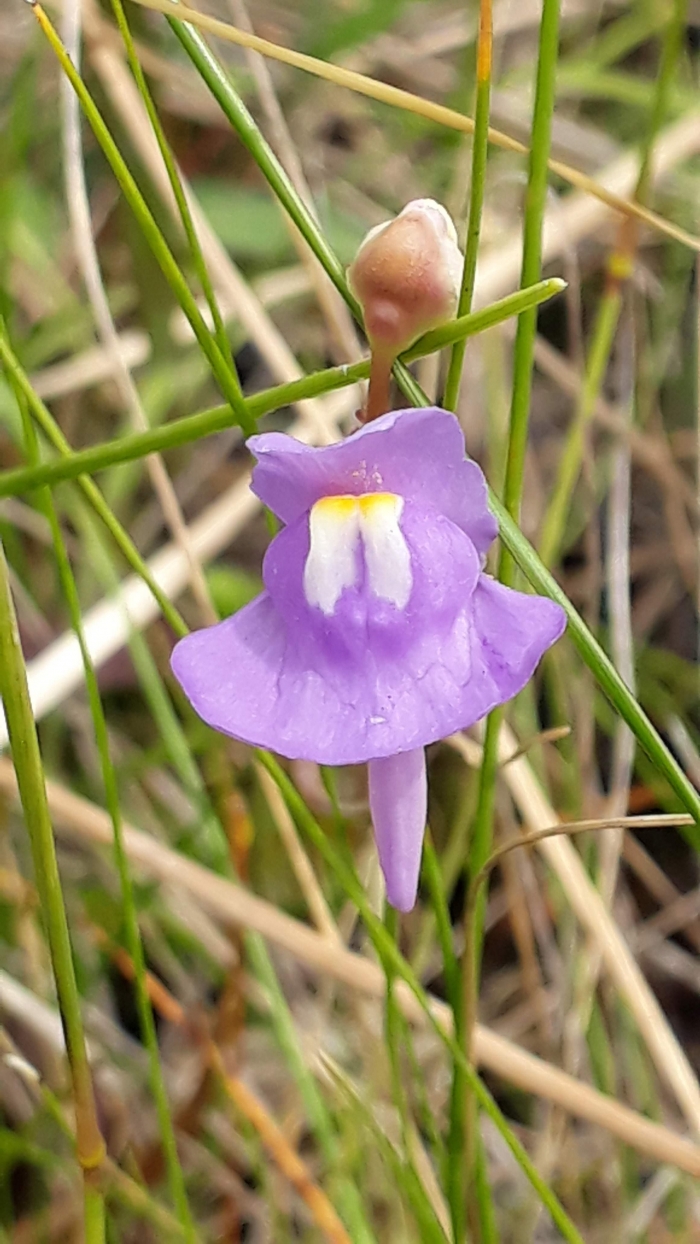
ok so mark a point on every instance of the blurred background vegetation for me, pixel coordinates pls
(293, 1089)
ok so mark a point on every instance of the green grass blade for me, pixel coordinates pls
(192, 428)
(226, 378)
(480, 148)
(231, 104)
(177, 189)
(26, 756)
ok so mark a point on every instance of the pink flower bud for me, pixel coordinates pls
(406, 276)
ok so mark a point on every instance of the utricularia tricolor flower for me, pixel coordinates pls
(378, 631)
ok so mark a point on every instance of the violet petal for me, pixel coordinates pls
(398, 800)
(418, 454)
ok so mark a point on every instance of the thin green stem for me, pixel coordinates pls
(26, 756)
(535, 203)
(178, 191)
(461, 1141)
(226, 378)
(670, 52)
(231, 104)
(480, 144)
(130, 916)
(94, 1212)
(194, 427)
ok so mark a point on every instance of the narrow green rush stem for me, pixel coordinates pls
(226, 378)
(26, 756)
(535, 203)
(459, 1166)
(178, 191)
(94, 1213)
(134, 944)
(388, 953)
(480, 144)
(231, 104)
(193, 427)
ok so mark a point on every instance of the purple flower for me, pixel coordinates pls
(378, 631)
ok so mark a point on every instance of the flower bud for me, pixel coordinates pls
(406, 276)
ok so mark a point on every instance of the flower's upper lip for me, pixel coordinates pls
(418, 454)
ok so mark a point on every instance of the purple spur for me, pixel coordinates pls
(378, 631)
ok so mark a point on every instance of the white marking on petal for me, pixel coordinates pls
(331, 565)
(387, 557)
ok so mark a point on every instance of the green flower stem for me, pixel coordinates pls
(94, 1213)
(480, 144)
(134, 944)
(26, 756)
(41, 415)
(535, 203)
(226, 378)
(388, 953)
(193, 427)
(458, 1148)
